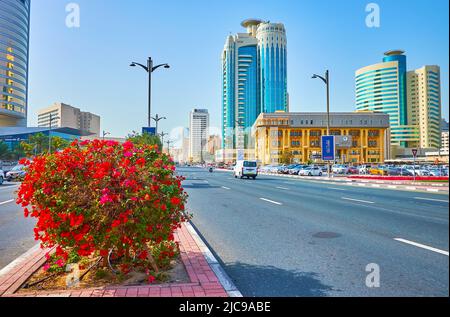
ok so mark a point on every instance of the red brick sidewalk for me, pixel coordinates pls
(204, 282)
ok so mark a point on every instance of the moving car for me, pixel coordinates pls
(247, 169)
(17, 173)
(311, 171)
(2, 177)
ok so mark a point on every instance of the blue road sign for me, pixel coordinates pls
(151, 131)
(328, 148)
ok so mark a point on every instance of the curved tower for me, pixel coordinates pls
(272, 50)
(14, 42)
(382, 87)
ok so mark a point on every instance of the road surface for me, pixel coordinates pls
(286, 237)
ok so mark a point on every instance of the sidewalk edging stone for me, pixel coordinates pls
(223, 277)
(204, 281)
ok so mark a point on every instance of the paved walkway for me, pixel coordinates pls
(204, 282)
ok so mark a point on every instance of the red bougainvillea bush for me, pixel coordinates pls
(98, 196)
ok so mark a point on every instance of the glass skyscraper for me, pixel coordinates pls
(382, 87)
(14, 42)
(254, 79)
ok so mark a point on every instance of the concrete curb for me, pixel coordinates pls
(19, 260)
(223, 277)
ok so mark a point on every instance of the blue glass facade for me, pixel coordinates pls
(401, 59)
(14, 41)
(247, 86)
(254, 78)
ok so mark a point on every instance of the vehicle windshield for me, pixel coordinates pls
(249, 164)
(17, 168)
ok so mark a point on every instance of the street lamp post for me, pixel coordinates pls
(105, 134)
(169, 142)
(326, 80)
(52, 117)
(157, 118)
(162, 135)
(149, 69)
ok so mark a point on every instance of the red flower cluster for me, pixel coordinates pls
(100, 195)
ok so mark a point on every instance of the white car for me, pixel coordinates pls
(2, 177)
(311, 171)
(247, 169)
(340, 169)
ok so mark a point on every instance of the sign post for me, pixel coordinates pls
(328, 150)
(414, 152)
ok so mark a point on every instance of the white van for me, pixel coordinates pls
(246, 169)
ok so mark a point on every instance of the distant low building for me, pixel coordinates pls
(361, 137)
(13, 136)
(69, 117)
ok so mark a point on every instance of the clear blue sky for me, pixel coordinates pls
(89, 68)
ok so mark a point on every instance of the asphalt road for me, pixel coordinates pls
(16, 231)
(283, 237)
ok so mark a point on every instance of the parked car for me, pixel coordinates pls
(363, 169)
(247, 169)
(16, 173)
(311, 171)
(296, 170)
(379, 170)
(437, 172)
(353, 170)
(339, 169)
(285, 169)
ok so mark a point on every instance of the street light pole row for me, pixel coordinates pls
(149, 69)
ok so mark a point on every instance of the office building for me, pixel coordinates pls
(14, 48)
(424, 105)
(444, 140)
(361, 137)
(63, 115)
(254, 79)
(383, 87)
(198, 135)
(412, 100)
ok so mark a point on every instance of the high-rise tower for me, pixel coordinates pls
(254, 79)
(14, 42)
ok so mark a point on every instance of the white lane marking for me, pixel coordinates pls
(227, 188)
(9, 187)
(358, 200)
(271, 201)
(6, 202)
(337, 188)
(431, 199)
(283, 188)
(422, 246)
